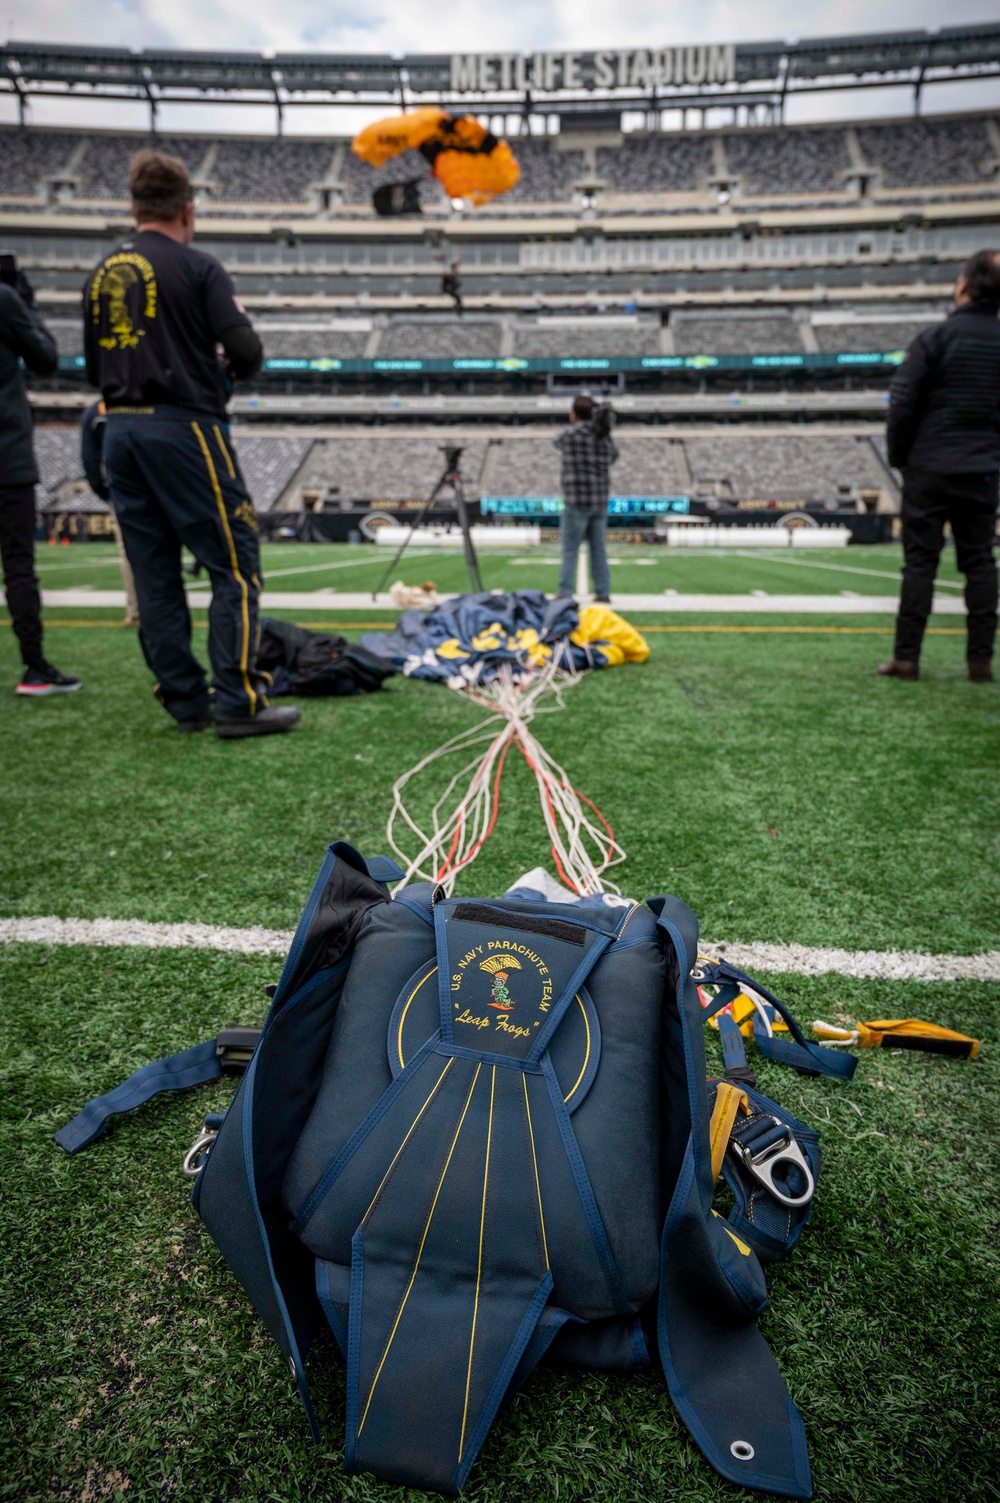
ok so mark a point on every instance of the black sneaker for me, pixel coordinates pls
(264, 723)
(37, 682)
(196, 722)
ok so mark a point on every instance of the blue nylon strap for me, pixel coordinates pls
(733, 1052)
(383, 869)
(812, 1058)
(177, 1072)
(726, 994)
(720, 1373)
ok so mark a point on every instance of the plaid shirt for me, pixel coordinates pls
(586, 465)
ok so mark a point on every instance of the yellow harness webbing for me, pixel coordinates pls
(901, 1033)
(729, 1100)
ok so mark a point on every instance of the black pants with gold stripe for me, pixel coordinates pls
(175, 480)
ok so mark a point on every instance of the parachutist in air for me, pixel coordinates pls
(451, 285)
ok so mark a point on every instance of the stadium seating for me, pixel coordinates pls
(269, 170)
(28, 158)
(787, 161)
(383, 466)
(269, 462)
(67, 333)
(307, 339)
(894, 334)
(557, 338)
(547, 174)
(736, 334)
(439, 339)
(529, 466)
(244, 170)
(57, 454)
(103, 168)
(670, 163)
(376, 465)
(810, 467)
(919, 153)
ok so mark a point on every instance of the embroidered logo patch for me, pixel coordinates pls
(499, 967)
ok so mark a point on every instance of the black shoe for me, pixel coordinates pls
(899, 668)
(264, 723)
(43, 680)
(196, 723)
(980, 673)
(602, 599)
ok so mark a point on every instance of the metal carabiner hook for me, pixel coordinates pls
(201, 1145)
(763, 1165)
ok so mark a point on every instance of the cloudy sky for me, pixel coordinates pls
(455, 25)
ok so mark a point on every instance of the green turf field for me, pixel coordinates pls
(762, 773)
(636, 569)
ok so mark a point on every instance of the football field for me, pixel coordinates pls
(306, 568)
(756, 767)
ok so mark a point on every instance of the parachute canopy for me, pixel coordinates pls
(464, 641)
(468, 160)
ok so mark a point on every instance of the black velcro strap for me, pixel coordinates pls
(499, 918)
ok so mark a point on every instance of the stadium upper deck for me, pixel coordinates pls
(68, 175)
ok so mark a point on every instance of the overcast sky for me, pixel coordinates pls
(455, 26)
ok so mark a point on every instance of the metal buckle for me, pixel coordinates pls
(200, 1146)
(234, 1048)
(763, 1165)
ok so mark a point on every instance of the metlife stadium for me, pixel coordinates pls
(741, 282)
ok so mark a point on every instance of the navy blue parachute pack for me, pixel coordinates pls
(474, 1134)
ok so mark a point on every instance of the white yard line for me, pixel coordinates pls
(348, 563)
(801, 960)
(662, 603)
(805, 562)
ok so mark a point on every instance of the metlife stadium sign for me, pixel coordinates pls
(569, 72)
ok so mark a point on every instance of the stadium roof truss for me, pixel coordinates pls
(562, 83)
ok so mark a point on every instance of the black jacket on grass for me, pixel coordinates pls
(944, 400)
(23, 336)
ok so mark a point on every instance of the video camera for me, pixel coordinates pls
(604, 415)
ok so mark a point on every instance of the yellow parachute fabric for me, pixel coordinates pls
(476, 175)
(397, 133)
(467, 161)
(615, 638)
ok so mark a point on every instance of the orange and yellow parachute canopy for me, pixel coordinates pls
(468, 161)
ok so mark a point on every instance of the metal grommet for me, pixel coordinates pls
(742, 1450)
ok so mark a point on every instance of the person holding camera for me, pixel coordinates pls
(156, 313)
(588, 452)
(23, 336)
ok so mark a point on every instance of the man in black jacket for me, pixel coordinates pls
(944, 434)
(23, 336)
(156, 313)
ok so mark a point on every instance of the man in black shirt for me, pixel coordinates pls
(155, 313)
(943, 432)
(23, 336)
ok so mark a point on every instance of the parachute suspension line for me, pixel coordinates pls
(460, 823)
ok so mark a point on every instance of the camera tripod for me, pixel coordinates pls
(451, 476)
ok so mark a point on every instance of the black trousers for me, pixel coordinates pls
(969, 503)
(17, 552)
(174, 480)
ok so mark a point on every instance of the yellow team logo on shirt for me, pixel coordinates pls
(122, 297)
(245, 513)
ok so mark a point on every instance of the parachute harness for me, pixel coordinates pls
(583, 844)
